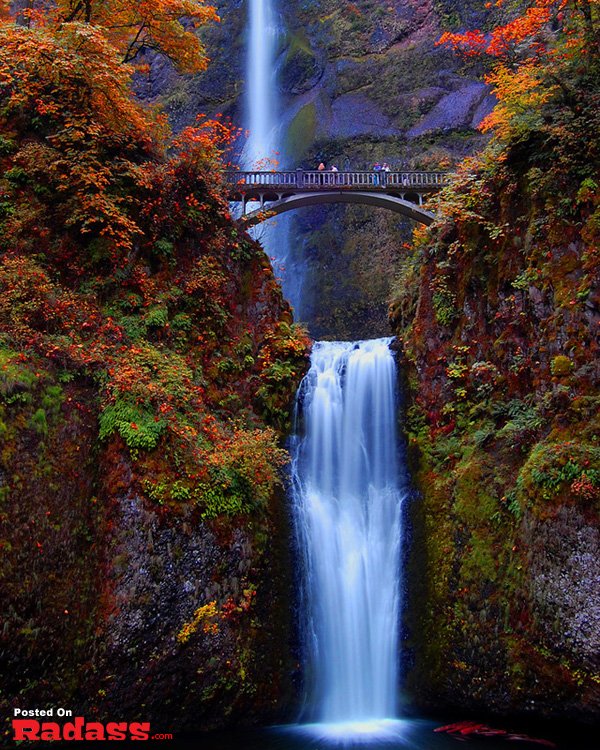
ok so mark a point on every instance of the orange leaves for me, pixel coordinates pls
(531, 54)
(520, 95)
(203, 144)
(469, 43)
(80, 134)
(521, 35)
(132, 26)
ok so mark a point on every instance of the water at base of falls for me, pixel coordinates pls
(347, 493)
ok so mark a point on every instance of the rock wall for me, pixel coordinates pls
(124, 598)
(497, 311)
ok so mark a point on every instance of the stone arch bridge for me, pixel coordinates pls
(277, 192)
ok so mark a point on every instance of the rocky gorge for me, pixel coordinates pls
(147, 374)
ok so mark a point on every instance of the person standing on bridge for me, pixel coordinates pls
(377, 170)
(384, 169)
(321, 169)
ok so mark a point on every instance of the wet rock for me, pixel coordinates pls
(454, 111)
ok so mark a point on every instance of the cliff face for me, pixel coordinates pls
(143, 582)
(364, 82)
(498, 312)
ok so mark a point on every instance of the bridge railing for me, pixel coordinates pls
(285, 179)
(317, 180)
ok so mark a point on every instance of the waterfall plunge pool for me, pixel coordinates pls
(400, 734)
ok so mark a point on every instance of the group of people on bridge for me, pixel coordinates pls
(380, 170)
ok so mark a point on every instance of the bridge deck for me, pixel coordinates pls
(314, 180)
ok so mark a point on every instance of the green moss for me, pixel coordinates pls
(300, 64)
(561, 366)
(301, 132)
(478, 562)
(474, 504)
(38, 422)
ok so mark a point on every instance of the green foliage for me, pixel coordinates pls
(405, 288)
(444, 303)
(7, 145)
(39, 423)
(525, 421)
(52, 399)
(156, 316)
(134, 326)
(554, 467)
(181, 322)
(140, 428)
(227, 500)
(15, 376)
(282, 359)
(525, 279)
(164, 248)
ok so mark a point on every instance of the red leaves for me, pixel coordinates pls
(475, 729)
(469, 43)
(504, 40)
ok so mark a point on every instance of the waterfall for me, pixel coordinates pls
(262, 86)
(265, 144)
(348, 488)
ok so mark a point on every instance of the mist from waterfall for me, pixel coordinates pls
(348, 490)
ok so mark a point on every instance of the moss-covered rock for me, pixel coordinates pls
(501, 350)
(300, 70)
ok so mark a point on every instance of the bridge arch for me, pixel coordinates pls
(291, 202)
(278, 192)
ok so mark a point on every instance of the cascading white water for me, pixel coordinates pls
(261, 87)
(265, 148)
(348, 489)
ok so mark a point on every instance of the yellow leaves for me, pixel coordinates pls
(131, 27)
(206, 616)
(520, 93)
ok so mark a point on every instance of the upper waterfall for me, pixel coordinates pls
(264, 148)
(261, 101)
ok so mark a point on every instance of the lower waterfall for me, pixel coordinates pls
(348, 487)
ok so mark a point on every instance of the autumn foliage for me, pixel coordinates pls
(132, 28)
(546, 50)
(120, 261)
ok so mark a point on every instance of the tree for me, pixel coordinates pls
(132, 26)
(533, 32)
(549, 51)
